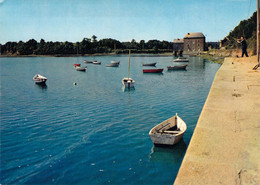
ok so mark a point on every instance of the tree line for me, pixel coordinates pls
(247, 29)
(86, 46)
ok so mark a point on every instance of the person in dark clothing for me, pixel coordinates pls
(244, 46)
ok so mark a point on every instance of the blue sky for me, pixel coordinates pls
(124, 20)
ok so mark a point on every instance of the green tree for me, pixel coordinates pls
(94, 38)
(142, 44)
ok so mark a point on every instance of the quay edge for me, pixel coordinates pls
(225, 146)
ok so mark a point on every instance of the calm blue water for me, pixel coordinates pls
(94, 132)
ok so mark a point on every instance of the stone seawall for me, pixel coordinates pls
(225, 146)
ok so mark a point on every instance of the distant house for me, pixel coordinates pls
(178, 44)
(194, 43)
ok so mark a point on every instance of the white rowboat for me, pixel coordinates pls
(39, 79)
(112, 65)
(181, 59)
(114, 62)
(80, 68)
(169, 132)
(96, 62)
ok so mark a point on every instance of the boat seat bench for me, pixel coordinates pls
(171, 132)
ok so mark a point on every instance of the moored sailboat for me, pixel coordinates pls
(128, 82)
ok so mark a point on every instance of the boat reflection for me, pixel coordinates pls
(169, 154)
(127, 89)
(176, 71)
(42, 86)
(153, 74)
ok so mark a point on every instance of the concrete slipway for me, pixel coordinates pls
(225, 146)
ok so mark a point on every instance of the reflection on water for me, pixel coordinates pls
(42, 86)
(127, 89)
(147, 74)
(170, 154)
(176, 71)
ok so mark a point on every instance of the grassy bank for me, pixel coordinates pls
(218, 55)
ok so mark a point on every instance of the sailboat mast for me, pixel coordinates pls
(129, 64)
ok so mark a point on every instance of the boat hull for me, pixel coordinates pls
(88, 62)
(181, 60)
(150, 64)
(97, 63)
(114, 62)
(40, 81)
(112, 65)
(152, 70)
(80, 69)
(165, 139)
(182, 67)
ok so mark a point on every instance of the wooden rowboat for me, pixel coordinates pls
(96, 62)
(88, 62)
(114, 62)
(80, 68)
(152, 70)
(149, 64)
(112, 65)
(169, 132)
(181, 59)
(181, 67)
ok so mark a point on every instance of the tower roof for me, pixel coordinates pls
(178, 41)
(194, 35)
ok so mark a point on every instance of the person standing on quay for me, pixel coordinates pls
(244, 46)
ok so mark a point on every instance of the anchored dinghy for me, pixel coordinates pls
(169, 132)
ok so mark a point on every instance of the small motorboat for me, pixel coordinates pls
(181, 67)
(114, 62)
(80, 68)
(181, 59)
(88, 62)
(39, 79)
(152, 70)
(96, 62)
(76, 65)
(112, 65)
(149, 64)
(169, 132)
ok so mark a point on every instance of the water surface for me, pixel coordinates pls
(95, 132)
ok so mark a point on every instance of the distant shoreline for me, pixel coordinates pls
(87, 55)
